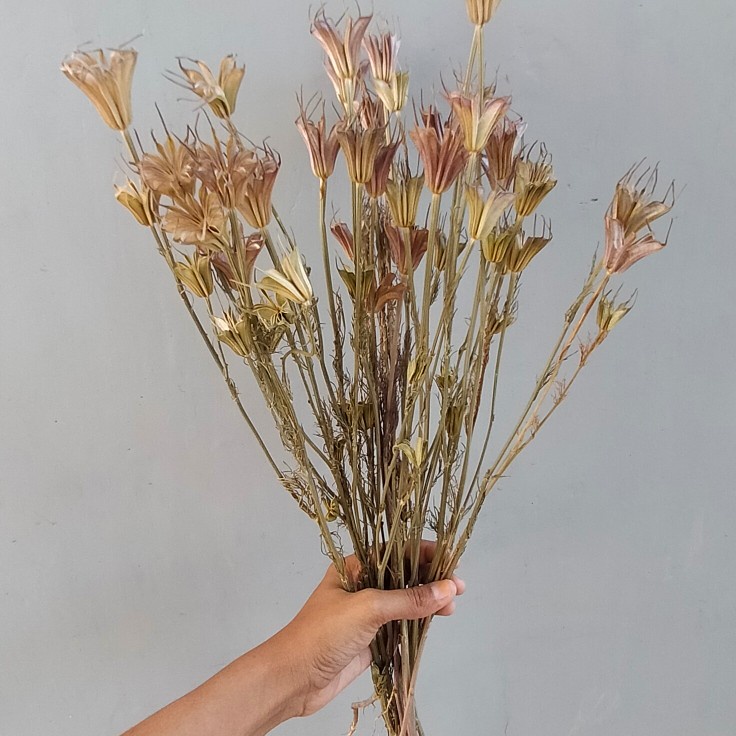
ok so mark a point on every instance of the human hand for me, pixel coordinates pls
(328, 641)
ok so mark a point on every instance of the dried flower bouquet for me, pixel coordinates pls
(401, 389)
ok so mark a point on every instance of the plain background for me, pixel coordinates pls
(143, 542)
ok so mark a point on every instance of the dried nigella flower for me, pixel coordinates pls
(342, 234)
(290, 282)
(321, 146)
(254, 194)
(417, 240)
(484, 214)
(195, 273)
(139, 201)
(502, 153)
(534, 181)
(481, 11)
(632, 211)
(220, 94)
(477, 119)
(197, 220)
(106, 81)
(403, 198)
(523, 248)
(171, 173)
(360, 147)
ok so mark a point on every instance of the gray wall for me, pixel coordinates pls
(144, 542)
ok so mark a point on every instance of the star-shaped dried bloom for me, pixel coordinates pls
(403, 195)
(289, 281)
(343, 53)
(628, 221)
(477, 119)
(171, 172)
(254, 195)
(106, 80)
(441, 149)
(197, 221)
(220, 94)
(322, 147)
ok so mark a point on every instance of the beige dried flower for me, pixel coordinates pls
(632, 210)
(502, 153)
(403, 198)
(234, 332)
(484, 214)
(481, 11)
(534, 181)
(220, 94)
(391, 86)
(441, 149)
(417, 239)
(360, 147)
(195, 273)
(106, 81)
(477, 119)
(290, 282)
(197, 221)
(610, 314)
(343, 54)
(224, 172)
(254, 195)
(171, 173)
(393, 94)
(522, 249)
(322, 147)
(496, 244)
(139, 200)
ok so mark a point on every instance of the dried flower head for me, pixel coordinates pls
(220, 94)
(139, 200)
(343, 54)
(484, 214)
(254, 195)
(523, 248)
(171, 172)
(495, 245)
(391, 86)
(413, 239)
(632, 211)
(235, 332)
(481, 11)
(477, 119)
(236, 267)
(403, 198)
(503, 153)
(376, 186)
(441, 149)
(360, 147)
(321, 146)
(290, 281)
(534, 181)
(224, 171)
(197, 221)
(195, 273)
(106, 81)
(609, 313)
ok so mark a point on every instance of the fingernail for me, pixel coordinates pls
(443, 589)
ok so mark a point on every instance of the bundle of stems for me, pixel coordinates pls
(400, 381)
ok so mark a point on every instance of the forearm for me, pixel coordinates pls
(249, 697)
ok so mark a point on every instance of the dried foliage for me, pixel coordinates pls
(401, 384)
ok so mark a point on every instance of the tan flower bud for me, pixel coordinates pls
(495, 245)
(195, 273)
(290, 282)
(610, 314)
(403, 199)
(523, 249)
(234, 332)
(139, 201)
(534, 181)
(485, 214)
(106, 82)
(393, 94)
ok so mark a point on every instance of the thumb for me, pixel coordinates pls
(420, 601)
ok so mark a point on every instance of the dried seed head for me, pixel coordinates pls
(441, 150)
(106, 81)
(254, 194)
(497, 243)
(197, 221)
(502, 153)
(139, 200)
(523, 249)
(484, 214)
(195, 273)
(399, 240)
(610, 314)
(360, 147)
(343, 54)
(393, 94)
(290, 281)
(481, 11)
(322, 147)
(220, 94)
(171, 172)
(376, 186)
(403, 198)
(534, 181)
(477, 119)
(235, 332)
(631, 212)
(342, 234)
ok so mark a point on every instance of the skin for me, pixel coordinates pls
(305, 665)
